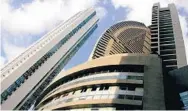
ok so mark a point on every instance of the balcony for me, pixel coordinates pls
(170, 62)
(165, 26)
(163, 29)
(166, 39)
(167, 51)
(154, 49)
(154, 32)
(166, 31)
(124, 96)
(154, 38)
(167, 46)
(167, 42)
(168, 56)
(171, 67)
(154, 44)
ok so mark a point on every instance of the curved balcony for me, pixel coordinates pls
(98, 78)
(113, 95)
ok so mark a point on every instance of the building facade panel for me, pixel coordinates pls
(123, 37)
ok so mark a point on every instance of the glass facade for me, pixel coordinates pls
(184, 99)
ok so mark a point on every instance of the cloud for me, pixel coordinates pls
(35, 18)
(101, 12)
(140, 10)
(181, 3)
(12, 51)
(2, 61)
(40, 15)
(184, 27)
(105, 2)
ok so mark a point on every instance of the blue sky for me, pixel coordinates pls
(25, 21)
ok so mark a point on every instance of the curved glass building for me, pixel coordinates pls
(123, 37)
(115, 82)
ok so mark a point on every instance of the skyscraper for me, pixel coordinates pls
(167, 41)
(166, 36)
(24, 78)
(123, 37)
(121, 74)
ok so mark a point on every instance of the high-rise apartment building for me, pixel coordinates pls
(24, 78)
(121, 74)
(167, 41)
(123, 37)
(166, 36)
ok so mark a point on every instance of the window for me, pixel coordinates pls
(94, 109)
(74, 31)
(123, 87)
(131, 88)
(73, 92)
(26, 75)
(129, 96)
(4, 95)
(18, 82)
(121, 96)
(66, 94)
(21, 79)
(9, 90)
(82, 98)
(106, 87)
(139, 77)
(70, 34)
(135, 77)
(84, 90)
(69, 100)
(130, 77)
(101, 88)
(94, 88)
(13, 86)
(137, 97)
